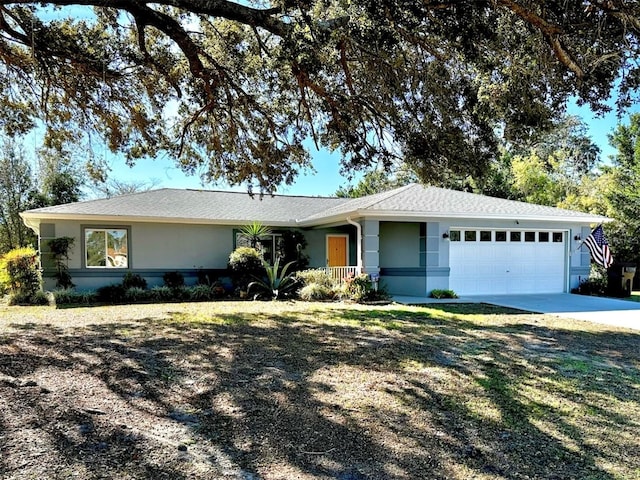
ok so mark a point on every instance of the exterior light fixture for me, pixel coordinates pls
(577, 238)
(445, 235)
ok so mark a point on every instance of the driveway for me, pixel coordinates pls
(621, 313)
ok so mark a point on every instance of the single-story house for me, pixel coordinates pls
(414, 238)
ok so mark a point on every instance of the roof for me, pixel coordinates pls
(416, 200)
(206, 206)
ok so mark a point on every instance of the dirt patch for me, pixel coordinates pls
(314, 391)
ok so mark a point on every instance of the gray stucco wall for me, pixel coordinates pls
(156, 248)
(401, 270)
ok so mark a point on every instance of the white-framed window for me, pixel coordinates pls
(270, 246)
(106, 247)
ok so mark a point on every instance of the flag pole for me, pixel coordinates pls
(584, 239)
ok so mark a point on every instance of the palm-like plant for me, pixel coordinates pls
(254, 232)
(278, 281)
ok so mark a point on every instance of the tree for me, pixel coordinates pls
(16, 193)
(624, 193)
(375, 181)
(232, 89)
(113, 187)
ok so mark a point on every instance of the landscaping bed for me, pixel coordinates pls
(294, 390)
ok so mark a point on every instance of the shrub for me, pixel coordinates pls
(245, 262)
(111, 293)
(69, 296)
(318, 276)
(133, 280)
(316, 291)
(162, 294)
(136, 295)
(60, 248)
(173, 279)
(201, 293)
(291, 247)
(592, 286)
(278, 283)
(439, 293)
(20, 274)
(245, 259)
(36, 298)
(360, 289)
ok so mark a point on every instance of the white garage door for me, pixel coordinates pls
(506, 261)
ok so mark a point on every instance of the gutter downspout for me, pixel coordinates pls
(358, 242)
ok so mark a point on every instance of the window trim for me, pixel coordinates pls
(83, 248)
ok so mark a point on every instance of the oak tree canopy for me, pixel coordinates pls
(240, 90)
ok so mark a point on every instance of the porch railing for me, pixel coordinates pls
(340, 273)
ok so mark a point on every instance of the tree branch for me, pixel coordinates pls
(550, 32)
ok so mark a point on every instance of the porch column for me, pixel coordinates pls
(371, 247)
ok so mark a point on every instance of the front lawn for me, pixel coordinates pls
(284, 390)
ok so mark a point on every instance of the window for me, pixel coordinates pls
(529, 236)
(270, 246)
(557, 237)
(485, 235)
(515, 236)
(470, 236)
(106, 248)
(454, 235)
(501, 236)
(543, 237)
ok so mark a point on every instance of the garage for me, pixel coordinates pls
(507, 261)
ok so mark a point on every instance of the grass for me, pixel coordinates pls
(284, 390)
(635, 296)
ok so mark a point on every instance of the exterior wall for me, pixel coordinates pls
(414, 256)
(317, 244)
(157, 248)
(411, 257)
(154, 249)
(402, 258)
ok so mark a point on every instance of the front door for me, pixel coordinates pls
(337, 250)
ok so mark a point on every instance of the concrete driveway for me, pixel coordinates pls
(621, 313)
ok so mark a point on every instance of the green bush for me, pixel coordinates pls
(439, 294)
(360, 289)
(60, 248)
(111, 293)
(37, 298)
(278, 282)
(162, 294)
(245, 263)
(592, 286)
(245, 259)
(137, 295)
(318, 276)
(173, 279)
(201, 293)
(20, 274)
(68, 296)
(316, 291)
(133, 280)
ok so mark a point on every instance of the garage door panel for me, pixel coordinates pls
(507, 267)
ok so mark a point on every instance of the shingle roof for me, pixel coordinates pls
(416, 199)
(204, 205)
(233, 207)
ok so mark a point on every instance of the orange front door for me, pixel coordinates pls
(336, 251)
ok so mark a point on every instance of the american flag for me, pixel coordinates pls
(597, 244)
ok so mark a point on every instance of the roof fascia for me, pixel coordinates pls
(30, 217)
(398, 215)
